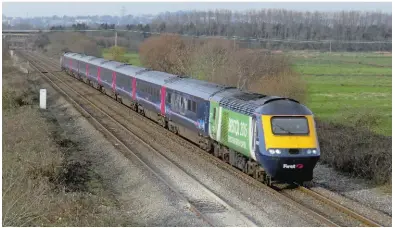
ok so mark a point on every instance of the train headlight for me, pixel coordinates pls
(278, 151)
(314, 151)
(308, 151)
(271, 151)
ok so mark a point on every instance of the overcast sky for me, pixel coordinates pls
(31, 9)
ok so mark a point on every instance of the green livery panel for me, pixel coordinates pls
(230, 128)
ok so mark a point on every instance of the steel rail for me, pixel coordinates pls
(340, 207)
(142, 141)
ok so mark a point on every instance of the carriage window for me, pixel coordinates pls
(189, 105)
(168, 97)
(194, 106)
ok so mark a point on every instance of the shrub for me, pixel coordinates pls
(72, 41)
(168, 53)
(42, 40)
(118, 54)
(356, 150)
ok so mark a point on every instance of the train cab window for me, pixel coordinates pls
(169, 98)
(289, 125)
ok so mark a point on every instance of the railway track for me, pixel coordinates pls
(319, 205)
(206, 204)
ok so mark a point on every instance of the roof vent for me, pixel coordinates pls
(105, 61)
(249, 96)
(122, 65)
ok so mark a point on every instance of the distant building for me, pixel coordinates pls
(83, 21)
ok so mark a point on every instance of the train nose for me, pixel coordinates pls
(290, 169)
(296, 169)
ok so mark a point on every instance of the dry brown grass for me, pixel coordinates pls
(43, 184)
(25, 172)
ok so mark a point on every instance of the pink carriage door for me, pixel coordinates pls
(162, 100)
(114, 78)
(70, 64)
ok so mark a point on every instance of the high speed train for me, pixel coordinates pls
(268, 137)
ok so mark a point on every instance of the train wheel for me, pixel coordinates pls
(120, 99)
(162, 121)
(217, 149)
(140, 110)
(251, 166)
(205, 144)
(268, 180)
(225, 155)
(134, 107)
(172, 127)
(259, 175)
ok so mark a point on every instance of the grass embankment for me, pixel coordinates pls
(45, 182)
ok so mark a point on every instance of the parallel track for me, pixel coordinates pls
(361, 220)
(83, 106)
(340, 207)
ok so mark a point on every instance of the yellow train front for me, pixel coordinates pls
(288, 146)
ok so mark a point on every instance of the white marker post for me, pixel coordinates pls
(43, 98)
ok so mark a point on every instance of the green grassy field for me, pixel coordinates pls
(133, 58)
(342, 87)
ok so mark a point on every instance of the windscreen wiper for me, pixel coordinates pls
(283, 129)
